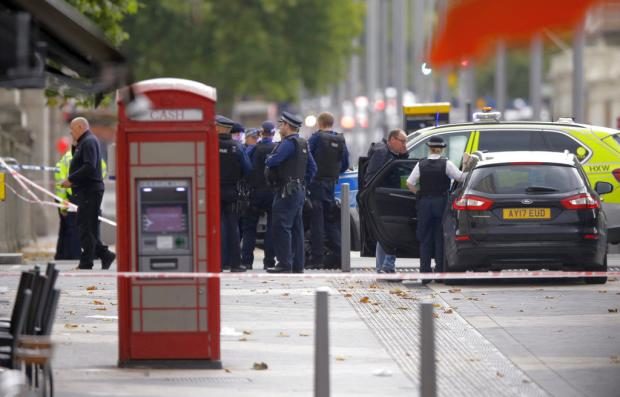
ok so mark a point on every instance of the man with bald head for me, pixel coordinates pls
(86, 181)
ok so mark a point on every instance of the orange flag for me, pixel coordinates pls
(472, 27)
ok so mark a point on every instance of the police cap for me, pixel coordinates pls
(251, 132)
(291, 119)
(436, 141)
(236, 128)
(224, 121)
(268, 127)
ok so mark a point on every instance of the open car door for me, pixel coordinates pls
(388, 210)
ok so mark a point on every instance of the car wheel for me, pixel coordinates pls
(598, 280)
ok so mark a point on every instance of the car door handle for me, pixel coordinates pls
(405, 196)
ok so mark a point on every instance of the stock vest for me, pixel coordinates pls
(433, 178)
(328, 155)
(294, 167)
(257, 176)
(230, 164)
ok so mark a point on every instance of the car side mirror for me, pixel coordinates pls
(603, 187)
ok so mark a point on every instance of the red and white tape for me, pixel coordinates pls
(59, 203)
(335, 275)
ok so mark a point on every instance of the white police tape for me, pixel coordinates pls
(335, 275)
(59, 203)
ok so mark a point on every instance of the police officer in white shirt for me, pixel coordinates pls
(434, 175)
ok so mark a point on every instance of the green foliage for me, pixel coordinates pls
(265, 48)
(108, 15)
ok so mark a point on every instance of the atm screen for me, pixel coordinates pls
(158, 219)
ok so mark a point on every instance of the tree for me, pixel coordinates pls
(267, 48)
(108, 15)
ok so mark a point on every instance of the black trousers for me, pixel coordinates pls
(68, 245)
(88, 227)
(230, 240)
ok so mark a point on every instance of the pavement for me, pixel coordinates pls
(511, 339)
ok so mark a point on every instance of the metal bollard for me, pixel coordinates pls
(345, 229)
(321, 344)
(428, 386)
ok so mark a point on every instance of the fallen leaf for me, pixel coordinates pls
(71, 325)
(602, 291)
(402, 308)
(615, 359)
(499, 374)
(472, 299)
(71, 312)
(91, 288)
(615, 310)
(549, 297)
(283, 335)
(454, 290)
(260, 366)
(347, 295)
(436, 305)
(227, 370)
(285, 294)
(303, 334)
(340, 358)
(493, 307)
(101, 308)
(88, 331)
(448, 311)
(435, 315)
(243, 339)
(98, 303)
(521, 311)
(375, 303)
(456, 299)
(247, 332)
(365, 299)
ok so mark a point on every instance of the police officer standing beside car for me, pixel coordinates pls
(433, 175)
(234, 165)
(330, 152)
(261, 200)
(289, 169)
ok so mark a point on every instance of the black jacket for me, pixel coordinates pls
(380, 156)
(85, 169)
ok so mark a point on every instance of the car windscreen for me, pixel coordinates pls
(525, 179)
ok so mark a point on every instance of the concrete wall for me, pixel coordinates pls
(28, 128)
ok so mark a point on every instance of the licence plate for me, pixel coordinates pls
(526, 213)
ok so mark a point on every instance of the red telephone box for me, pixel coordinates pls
(168, 221)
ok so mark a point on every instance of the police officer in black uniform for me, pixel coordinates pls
(434, 175)
(234, 165)
(330, 152)
(261, 201)
(289, 169)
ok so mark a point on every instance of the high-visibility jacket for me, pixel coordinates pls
(63, 173)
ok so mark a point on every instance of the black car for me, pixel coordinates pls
(553, 218)
(526, 210)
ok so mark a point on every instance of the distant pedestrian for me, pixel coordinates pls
(394, 148)
(234, 165)
(261, 201)
(86, 181)
(434, 175)
(251, 138)
(289, 169)
(330, 152)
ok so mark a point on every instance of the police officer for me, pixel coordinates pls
(261, 201)
(289, 169)
(434, 175)
(330, 152)
(236, 130)
(234, 164)
(86, 180)
(251, 138)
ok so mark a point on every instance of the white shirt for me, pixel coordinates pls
(451, 170)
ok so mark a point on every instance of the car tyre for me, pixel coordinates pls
(598, 280)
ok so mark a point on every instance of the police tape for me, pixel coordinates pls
(368, 275)
(59, 201)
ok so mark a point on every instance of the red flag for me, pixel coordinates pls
(472, 27)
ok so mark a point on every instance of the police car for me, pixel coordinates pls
(387, 208)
